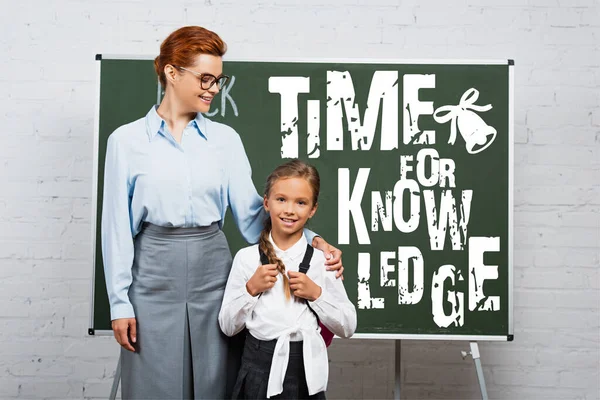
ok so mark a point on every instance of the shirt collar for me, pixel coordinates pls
(298, 249)
(155, 124)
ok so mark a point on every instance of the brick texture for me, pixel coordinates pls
(47, 110)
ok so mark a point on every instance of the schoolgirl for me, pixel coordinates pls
(280, 306)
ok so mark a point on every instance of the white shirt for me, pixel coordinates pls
(270, 316)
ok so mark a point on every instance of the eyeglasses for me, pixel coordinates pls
(207, 80)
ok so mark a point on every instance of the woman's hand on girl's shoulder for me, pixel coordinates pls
(333, 256)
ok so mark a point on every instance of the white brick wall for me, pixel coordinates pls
(47, 106)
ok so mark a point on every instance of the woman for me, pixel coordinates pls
(169, 179)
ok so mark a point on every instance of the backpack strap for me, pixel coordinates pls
(326, 334)
(305, 264)
(263, 257)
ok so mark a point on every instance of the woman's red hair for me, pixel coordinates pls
(184, 45)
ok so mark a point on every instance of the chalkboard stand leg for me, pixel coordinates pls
(115, 385)
(398, 376)
(476, 357)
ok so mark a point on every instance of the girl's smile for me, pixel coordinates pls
(290, 205)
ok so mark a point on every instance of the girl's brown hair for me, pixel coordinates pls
(182, 46)
(292, 169)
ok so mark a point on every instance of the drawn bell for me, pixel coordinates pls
(477, 134)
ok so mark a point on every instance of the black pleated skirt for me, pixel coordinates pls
(253, 378)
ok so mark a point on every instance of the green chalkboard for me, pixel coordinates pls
(416, 168)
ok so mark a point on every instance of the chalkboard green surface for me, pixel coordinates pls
(416, 179)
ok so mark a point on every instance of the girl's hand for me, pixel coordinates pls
(302, 286)
(264, 278)
(333, 256)
(125, 331)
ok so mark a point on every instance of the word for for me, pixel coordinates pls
(387, 207)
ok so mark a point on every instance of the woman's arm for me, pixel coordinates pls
(117, 238)
(246, 204)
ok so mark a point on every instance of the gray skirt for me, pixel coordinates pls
(179, 277)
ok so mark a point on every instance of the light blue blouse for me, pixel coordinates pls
(149, 177)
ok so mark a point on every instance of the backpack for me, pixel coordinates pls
(304, 266)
